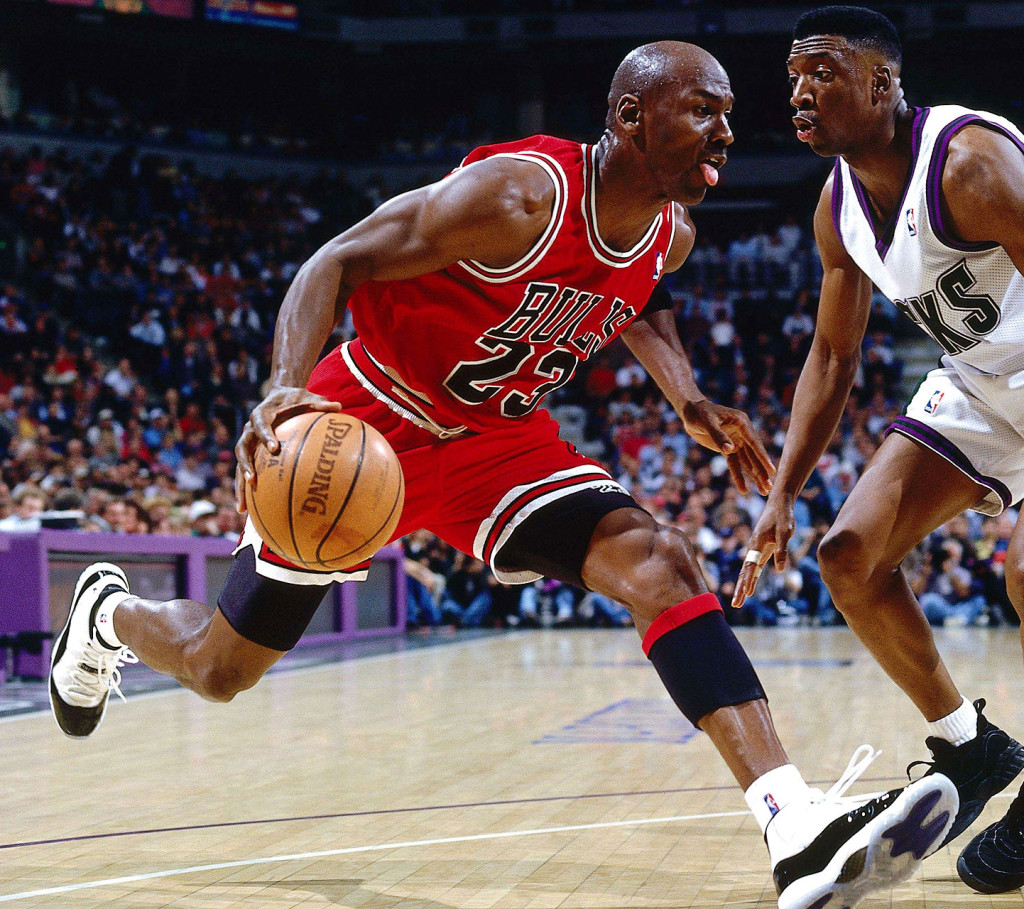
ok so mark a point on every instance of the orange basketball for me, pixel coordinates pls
(333, 494)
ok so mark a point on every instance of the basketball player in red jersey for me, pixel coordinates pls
(472, 299)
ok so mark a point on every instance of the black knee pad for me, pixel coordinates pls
(267, 612)
(701, 664)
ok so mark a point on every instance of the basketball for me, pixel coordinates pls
(331, 496)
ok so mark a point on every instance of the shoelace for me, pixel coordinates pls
(85, 678)
(862, 758)
(943, 754)
(946, 757)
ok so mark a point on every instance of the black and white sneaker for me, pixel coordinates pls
(993, 862)
(833, 851)
(980, 768)
(84, 669)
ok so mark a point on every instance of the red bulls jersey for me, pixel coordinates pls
(472, 346)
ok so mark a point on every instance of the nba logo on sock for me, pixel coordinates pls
(933, 402)
(773, 806)
(911, 223)
(659, 267)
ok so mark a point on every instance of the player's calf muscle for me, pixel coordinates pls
(1013, 572)
(219, 680)
(184, 639)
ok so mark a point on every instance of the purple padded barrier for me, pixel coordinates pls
(25, 581)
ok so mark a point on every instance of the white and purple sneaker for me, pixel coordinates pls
(834, 850)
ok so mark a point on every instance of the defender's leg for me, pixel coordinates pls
(820, 850)
(1014, 573)
(906, 492)
(993, 862)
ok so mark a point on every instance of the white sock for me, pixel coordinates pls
(959, 727)
(770, 793)
(105, 620)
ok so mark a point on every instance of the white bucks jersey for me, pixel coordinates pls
(967, 296)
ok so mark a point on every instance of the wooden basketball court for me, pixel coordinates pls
(522, 771)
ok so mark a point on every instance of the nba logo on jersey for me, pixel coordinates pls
(659, 267)
(933, 402)
(911, 223)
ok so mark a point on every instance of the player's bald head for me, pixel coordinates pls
(650, 67)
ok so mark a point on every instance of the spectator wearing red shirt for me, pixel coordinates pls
(600, 380)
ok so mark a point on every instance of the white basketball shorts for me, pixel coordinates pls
(976, 422)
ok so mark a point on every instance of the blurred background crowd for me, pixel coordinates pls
(135, 331)
(163, 176)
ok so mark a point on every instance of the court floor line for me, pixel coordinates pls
(352, 850)
(497, 803)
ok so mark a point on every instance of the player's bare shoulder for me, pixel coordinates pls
(683, 238)
(982, 183)
(518, 187)
(509, 202)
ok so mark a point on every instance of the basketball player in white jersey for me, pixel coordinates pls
(929, 205)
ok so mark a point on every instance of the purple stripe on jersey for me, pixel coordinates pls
(923, 433)
(837, 198)
(885, 233)
(916, 133)
(862, 198)
(934, 182)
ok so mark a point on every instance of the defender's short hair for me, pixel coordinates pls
(856, 24)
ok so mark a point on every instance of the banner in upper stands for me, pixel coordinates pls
(275, 13)
(177, 9)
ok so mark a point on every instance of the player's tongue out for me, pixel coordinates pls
(710, 174)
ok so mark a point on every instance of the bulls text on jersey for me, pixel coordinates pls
(521, 346)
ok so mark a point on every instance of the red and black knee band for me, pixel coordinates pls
(701, 664)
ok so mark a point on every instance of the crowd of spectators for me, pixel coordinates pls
(97, 114)
(135, 329)
(134, 339)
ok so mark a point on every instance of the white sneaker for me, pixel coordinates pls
(830, 852)
(83, 668)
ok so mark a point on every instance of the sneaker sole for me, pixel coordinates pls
(886, 852)
(86, 579)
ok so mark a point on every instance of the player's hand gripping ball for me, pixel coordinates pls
(331, 496)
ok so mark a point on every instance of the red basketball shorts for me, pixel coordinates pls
(472, 490)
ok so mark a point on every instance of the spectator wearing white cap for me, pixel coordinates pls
(105, 424)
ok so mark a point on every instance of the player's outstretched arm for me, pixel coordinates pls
(492, 211)
(821, 392)
(654, 340)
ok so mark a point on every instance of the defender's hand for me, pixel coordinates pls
(281, 403)
(771, 535)
(729, 431)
